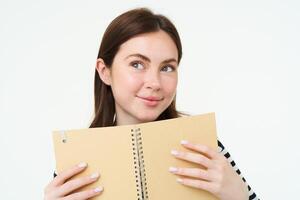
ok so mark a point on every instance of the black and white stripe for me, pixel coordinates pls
(223, 151)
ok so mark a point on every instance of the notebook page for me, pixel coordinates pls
(107, 151)
(158, 139)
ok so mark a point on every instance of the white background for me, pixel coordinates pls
(240, 60)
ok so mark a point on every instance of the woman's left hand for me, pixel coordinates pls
(218, 177)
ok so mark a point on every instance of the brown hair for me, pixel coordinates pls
(121, 29)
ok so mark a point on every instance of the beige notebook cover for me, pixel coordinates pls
(133, 160)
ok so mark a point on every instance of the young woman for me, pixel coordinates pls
(135, 82)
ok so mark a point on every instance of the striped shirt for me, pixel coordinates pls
(223, 151)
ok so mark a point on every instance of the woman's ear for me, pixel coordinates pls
(103, 71)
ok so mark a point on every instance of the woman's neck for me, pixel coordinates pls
(122, 119)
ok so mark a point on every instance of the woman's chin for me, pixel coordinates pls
(147, 118)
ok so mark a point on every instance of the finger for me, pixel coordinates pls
(191, 172)
(206, 150)
(72, 185)
(200, 184)
(68, 173)
(84, 194)
(193, 157)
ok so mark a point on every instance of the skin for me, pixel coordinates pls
(144, 66)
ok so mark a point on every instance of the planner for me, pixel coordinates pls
(133, 160)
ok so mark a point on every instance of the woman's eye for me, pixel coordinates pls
(137, 65)
(168, 68)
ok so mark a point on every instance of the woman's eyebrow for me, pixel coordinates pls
(145, 58)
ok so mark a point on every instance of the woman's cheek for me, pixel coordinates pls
(127, 80)
(170, 85)
(134, 81)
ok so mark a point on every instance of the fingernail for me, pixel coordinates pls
(95, 175)
(179, 180)
(173, 169)
(98, 189)
(82, 165)
(184, 142)
(174, 152)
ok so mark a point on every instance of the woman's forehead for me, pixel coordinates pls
(156, 45)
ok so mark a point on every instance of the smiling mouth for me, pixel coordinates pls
(151, 101)
(151, 98)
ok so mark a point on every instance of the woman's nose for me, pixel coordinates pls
(152, 80)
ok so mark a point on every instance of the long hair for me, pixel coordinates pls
(121, 29)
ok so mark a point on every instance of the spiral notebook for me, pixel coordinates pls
(133, 160)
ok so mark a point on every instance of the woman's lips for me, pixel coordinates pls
(151, 101)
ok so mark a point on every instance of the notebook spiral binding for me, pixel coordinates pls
(139, 165)
(63, 136)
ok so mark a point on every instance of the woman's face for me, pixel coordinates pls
(143, 77)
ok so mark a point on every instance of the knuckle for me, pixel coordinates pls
(76, 183)
(199, 174)
(85, 180)
(63, 173)
(71, 185)
(182, 154)
(180, 171)
(87, 194)
(205, 149)
(199, 185)
(76, 196)
(70, 172)
(81, 195)
(199, 159)
(184, 181)
(91, 192)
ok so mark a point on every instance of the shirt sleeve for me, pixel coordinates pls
(225, 153)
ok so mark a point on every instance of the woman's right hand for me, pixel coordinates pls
(61, 187)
